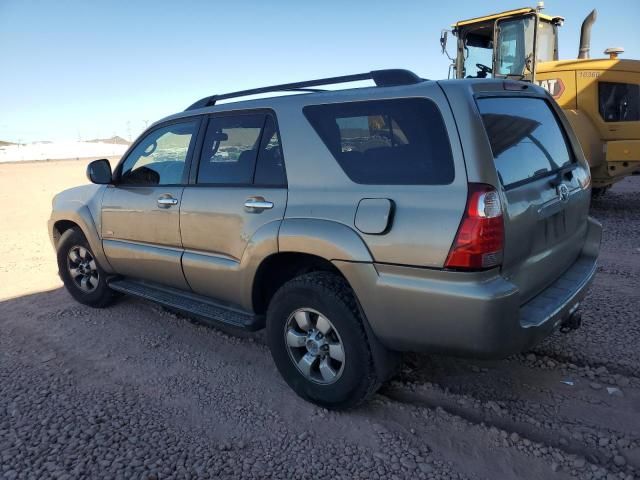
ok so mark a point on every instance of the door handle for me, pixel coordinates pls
(166, 202)
(257, 204)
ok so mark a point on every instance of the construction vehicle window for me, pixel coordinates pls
(546, 42)
(619, 102)
(386, 142)
(478, 50)
(515, 46)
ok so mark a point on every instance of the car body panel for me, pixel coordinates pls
(141, 238)
(425, 217)
(543, 235)
(216, 231)
(81, 205)
(479, 314)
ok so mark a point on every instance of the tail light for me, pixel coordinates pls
(480, 238)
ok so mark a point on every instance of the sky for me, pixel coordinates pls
(81, 69)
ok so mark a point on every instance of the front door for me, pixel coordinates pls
(235, 206)
(141, 211)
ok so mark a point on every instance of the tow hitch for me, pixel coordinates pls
(572, 322)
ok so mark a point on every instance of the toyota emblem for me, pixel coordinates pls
(563, 192)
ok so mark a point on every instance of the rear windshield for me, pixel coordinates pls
(386, 142)
(525, 137)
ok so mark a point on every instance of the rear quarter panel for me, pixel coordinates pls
(425, 218)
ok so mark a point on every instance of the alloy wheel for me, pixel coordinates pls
(314, 346)
(83, 269)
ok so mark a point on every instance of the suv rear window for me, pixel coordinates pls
(386, 142)
(526, 139)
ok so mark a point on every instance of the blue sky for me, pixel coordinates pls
(73, 69)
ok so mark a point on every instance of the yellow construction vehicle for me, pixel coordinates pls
(601, 97)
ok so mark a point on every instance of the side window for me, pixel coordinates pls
(160, 157)
(515, 45)
(230, 149)
(619, 102)
(270, 166)
(386, 142)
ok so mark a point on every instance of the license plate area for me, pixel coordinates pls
(556, 227)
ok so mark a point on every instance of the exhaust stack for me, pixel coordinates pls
(585, 34)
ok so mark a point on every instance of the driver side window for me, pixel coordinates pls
(160, 157)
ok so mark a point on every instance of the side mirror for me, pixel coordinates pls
(443, 40)
(99, 171)
(444, 35)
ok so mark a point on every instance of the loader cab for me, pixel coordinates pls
(505, 45)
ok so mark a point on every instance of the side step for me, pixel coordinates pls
(190, 303)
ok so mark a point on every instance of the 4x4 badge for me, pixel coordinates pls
(563, 192)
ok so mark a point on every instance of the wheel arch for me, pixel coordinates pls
(63, 219)
(323, 238)
(278, 268)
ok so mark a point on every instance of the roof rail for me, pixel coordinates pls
(382, 78)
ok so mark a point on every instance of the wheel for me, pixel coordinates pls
(598, 192)
(318, 341)
(83, 278)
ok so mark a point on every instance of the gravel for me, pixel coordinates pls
(135, 391)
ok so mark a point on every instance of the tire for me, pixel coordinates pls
(598, 192)
(95, 293)
(310, 297)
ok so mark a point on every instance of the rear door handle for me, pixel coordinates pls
(167, 201)
(257, 204)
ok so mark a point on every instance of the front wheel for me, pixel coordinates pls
(598, 192)
(318, 341)
(83, 278)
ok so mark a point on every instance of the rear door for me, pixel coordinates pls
(544, 186)
(237, 194)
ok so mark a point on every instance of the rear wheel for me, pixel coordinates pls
(318, 341)
(81, 274)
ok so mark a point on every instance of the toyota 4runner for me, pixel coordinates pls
(413, 215)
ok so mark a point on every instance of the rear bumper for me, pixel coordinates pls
(467, 314)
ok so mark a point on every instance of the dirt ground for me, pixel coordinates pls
(134, 391)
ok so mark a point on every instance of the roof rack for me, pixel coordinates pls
(382, 78)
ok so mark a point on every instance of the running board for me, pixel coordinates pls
(190, 303)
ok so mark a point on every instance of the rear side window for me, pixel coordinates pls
(240, 150)
(386, 142)
(525, 137)
(230, 149)
(270, 166)
(619, 102)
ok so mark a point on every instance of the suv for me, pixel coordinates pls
(414, 215)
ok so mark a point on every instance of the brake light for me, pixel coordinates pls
(480, 238)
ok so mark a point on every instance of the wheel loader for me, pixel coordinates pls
(600, 97)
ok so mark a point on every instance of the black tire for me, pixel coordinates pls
(100, 295)
(598, 192)
(331, 296)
